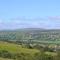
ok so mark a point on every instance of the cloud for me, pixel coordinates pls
(49, 22)
(54, 17)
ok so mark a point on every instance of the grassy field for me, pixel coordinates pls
(5, 59)
(47, 42)
(27, 54)
(11, 47)
(51, 53)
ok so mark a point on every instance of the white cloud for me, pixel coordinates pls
(29, 23)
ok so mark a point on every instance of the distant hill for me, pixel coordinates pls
(37, 34)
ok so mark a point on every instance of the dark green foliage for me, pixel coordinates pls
(5, 54)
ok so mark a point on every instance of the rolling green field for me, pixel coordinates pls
(14, 51)
(11, 47)
(17, 52)
(5, 59)
(21, 52)
(25, 35)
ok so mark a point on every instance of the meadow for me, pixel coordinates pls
(12, 51)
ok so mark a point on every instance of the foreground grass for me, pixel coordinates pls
(5, 58)
(14, 48)
(51, 53)
(21, 53)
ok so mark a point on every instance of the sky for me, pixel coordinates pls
(16, 14)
